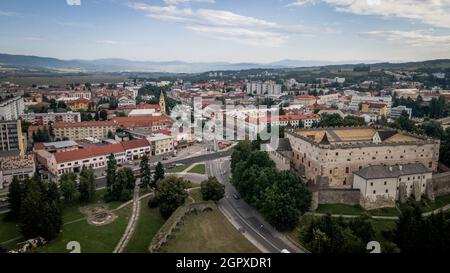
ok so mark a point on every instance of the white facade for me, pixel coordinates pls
(258, 88)
(11, 109)
(357, 100)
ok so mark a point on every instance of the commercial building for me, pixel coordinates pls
(47, 118)
(95, 156)
(20, 166)
(11, 108)
(329, 156)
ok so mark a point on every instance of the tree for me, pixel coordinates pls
(131, 179)
(68, 185)
(40, 213)
(120, 191)
(103, 115)
(15, 196)
(212, 190)
(111, 135)
(170, 194)
(146, 175)
(86, 186)
(111, 172)
(159, 172)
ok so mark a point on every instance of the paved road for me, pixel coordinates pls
(247, 218)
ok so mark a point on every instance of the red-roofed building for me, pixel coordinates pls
(82, 130)
(306, 99)
(286, 120)
(153, 123)
(95, 156)
(79, 104)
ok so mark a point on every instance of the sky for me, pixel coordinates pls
(260, 31)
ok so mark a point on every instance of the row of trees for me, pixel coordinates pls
(335, 120)
(36, 205)
(435, 109)
(280, 196)
(119, 183)
(83, 190)
(417, 234)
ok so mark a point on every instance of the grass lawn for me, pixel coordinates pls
(208, 232)
(150, 221)
(340, 209)
(177, 169)
(385, 212)
(196, 194)
(93, 239)
(8, 230)
(200, 169)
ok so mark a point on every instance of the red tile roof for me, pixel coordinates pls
(100, 150)
(306, 96)
(136, 143)
(84, 124)
(141, 121)
(88, 152)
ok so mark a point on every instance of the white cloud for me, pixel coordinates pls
(7, 13)
(176, 2)
(418, 38)
(109, 42)
(73, 2)
(430, 12)
(226, 25)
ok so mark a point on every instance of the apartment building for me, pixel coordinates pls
(358, 100)
(11, 108)
(11, 138)
(267, 88)
(82, 130)
(47, 118)
(396, 112)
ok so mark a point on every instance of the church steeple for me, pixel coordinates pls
(162, 103)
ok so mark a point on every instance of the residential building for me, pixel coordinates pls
(47, 118)
(161, 144)
(358, 100)
(379, 109)
(11, 138)
(396, 112)
(267, 88)
(79, 104)
(11, 108)
(82, 130)
(329, 156)
(306, 100)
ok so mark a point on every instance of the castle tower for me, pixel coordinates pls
(162, 103)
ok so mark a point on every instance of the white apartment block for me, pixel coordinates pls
(10, 109)
(46, 118)
(268, 88)
(357, 100)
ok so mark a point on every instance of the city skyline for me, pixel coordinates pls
(232, 31)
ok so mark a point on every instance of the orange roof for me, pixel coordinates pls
(84, 124)
(80, 100)
(136, 143)
(286, 118)
(143, 121)
(99, 150)
(306, 96)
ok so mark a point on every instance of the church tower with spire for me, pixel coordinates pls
(162, 103)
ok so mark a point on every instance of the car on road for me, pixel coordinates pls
(166, 158)
(236, 196)
(179, 165)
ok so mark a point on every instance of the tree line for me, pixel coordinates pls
(280, 196)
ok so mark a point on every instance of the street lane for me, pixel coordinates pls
(246, 216)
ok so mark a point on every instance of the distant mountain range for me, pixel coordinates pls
(122, 65)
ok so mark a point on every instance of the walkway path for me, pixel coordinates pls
(425, 214)
(120, 247)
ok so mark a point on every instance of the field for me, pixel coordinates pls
(150, 221)
(177, 169)
(64, 80)
(208, 232)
